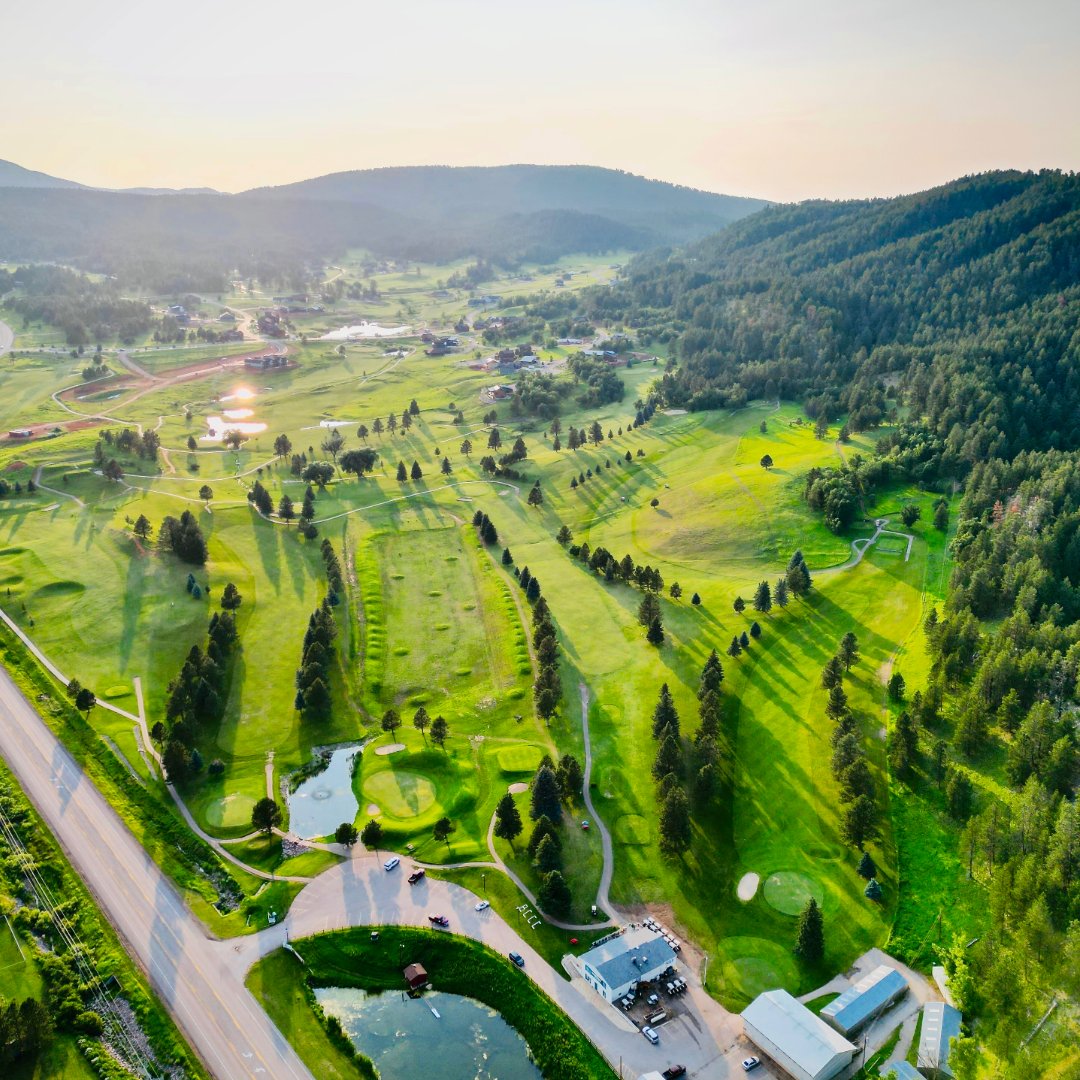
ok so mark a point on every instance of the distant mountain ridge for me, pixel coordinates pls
(505, 213)
(15, 176)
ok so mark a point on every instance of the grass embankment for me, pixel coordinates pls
(58, 981)
(455, 965)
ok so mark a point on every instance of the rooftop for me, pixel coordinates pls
(940, 1024)
(903, 1071)
(614, 960)
(804, 1037)
(858, 1003)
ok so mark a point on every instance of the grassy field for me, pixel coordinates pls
(456, 965)
(434, 619)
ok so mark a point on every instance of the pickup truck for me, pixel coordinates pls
(438, 920)
(416, 875)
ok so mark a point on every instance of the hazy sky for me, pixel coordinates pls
(785, 99)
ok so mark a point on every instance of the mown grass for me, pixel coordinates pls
(455, 965)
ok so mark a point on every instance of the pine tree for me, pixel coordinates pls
(831, 673)
(734, 649)
(837, 705)
(780, 593)
(867, 867)
(739, 605)
(655, 633)
(544, 827)
(548, 856)
(416, 473)
(668, 757)
(648, 609)
(665, 714)
(554, 895)
(675, 832)
(763, 598)
(810, 936)
(546, 801)
(508, 824)
(849, 650)
(402, 475)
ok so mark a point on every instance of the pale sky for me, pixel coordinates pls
(784, 99)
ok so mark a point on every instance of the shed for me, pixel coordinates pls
(940, 1025)
(416, 976)
(795, 1038)
(866, 1000)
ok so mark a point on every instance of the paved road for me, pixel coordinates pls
(192, 974)
(603, 897)
(7, 337)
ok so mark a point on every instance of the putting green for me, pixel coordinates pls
(788, 891)
(631, 829)
(400, 794)
(519, 759)
(230, 811)
(751, 965)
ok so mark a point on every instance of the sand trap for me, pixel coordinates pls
(747, 887)
(674, 412)
(393, 748)
(517, 789)
(373, 810)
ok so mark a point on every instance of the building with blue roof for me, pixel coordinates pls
(940, 1025)
(866, 1000)
(632, 957)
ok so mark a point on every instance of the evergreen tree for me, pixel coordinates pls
(668, 757)
(837, 705)
(734, 649)
(544, 827)
(402, 475)
(266, 815)
(755, 630)
(810, 936)
(832, 674)
(675, 832)
(665, 715)
(421, 720)
(763, 598)
(416, 473)
(440, 731)
(546, 797)
(780, 593)
(508, 824)
(873, 890)
(548, 856)
(285, 509)
(849, 650)
(859, 822)
(867, 867)
(571, 778)
(372, 833)
(554, 895)
(655, 634)
(739, 605)
(648, 609)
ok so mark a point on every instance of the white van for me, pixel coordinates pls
(391, 863)
(650, 1035)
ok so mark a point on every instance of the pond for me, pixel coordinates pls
(468, 1041)
(321, 803)
(365, 330)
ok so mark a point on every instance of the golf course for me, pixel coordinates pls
(433, 619)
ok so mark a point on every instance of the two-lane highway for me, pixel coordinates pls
(190, 972)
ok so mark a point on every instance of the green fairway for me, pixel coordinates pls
(791, 892)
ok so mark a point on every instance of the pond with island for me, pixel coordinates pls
(468, 1040)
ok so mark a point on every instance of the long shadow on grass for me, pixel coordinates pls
(269, 544)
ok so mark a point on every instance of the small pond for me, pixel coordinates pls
(468, 1041)
(321, 803)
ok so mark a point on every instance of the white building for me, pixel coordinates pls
(613, 967)
(796, 1039)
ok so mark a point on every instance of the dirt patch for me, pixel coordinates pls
(14, 466)
(393, 748)
(884, 673)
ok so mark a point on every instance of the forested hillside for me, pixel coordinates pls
(965, 298)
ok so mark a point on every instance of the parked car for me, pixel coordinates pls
(439, 920)
(391, 863)
(518, 959)
(416, 875)
(751, 1063)
(672, 1072)
(483, 905)
(650, 1035)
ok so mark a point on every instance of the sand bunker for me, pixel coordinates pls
(517, 789)
(393, 748)
(373, 810)
(748, 885)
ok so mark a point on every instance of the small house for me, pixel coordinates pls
(416, 976)
(21, 433)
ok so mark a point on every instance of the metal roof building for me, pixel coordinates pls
(901, 1070)
(632, 957)
(940, 1025)
(796, 1039)
(866, 1000)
